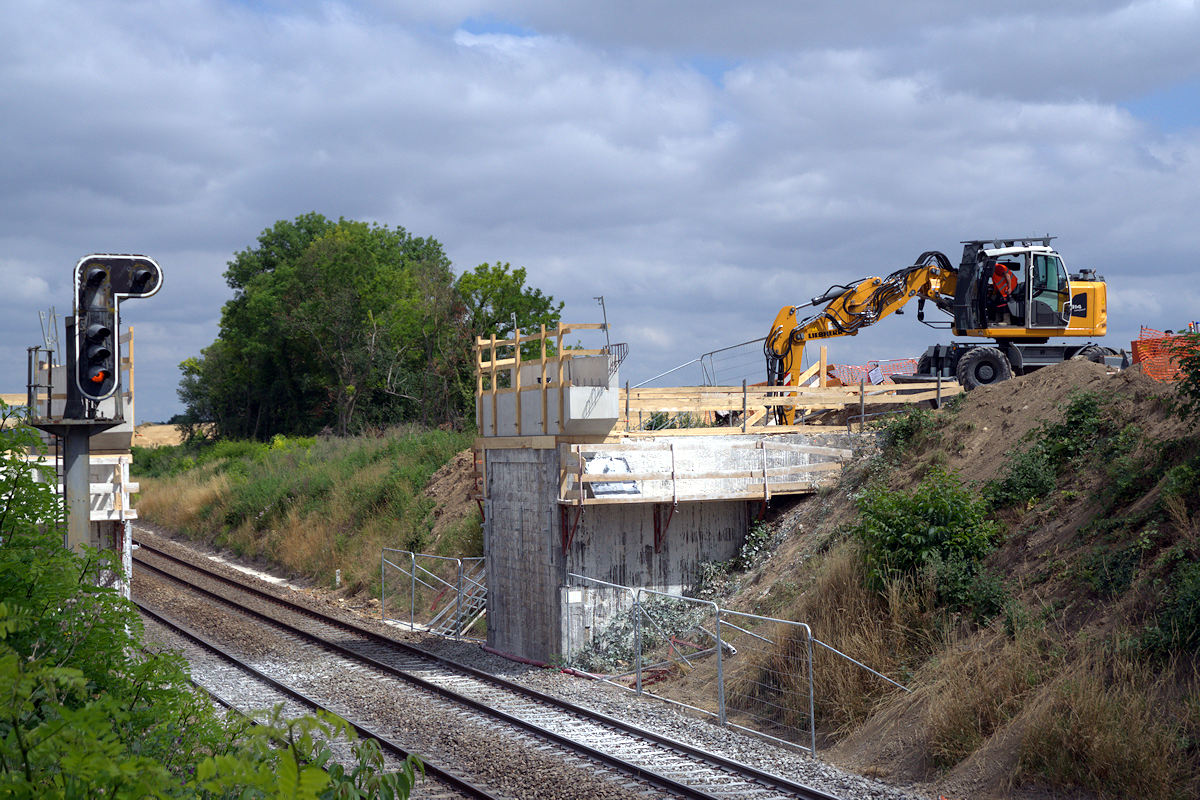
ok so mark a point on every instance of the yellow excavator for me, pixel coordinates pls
(1016, 292)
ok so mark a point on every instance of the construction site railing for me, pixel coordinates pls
(703, 410)
(445, 596)
(754, 673)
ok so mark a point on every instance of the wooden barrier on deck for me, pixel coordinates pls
(677, 482)
(496, 375)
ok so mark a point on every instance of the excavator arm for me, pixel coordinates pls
(854, 306)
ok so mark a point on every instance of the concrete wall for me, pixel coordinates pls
(530, 612)
(588, 411)
(615, 544)
(522, 546)
(527, 568)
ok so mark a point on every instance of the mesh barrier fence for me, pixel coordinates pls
(446, 596)
(1155, 351)
(748, 671)
(850, 375)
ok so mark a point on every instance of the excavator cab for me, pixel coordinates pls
(1049, 289)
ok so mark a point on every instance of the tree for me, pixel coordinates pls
(345, 324)
(327, 318)
(494, 294)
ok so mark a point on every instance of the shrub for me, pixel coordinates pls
(1030, 476)
(942, 519)
(967, 586)
(904, 430)
(92, 711)
(1186, 352)
(1177, 623)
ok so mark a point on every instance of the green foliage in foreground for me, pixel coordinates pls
(87, 710)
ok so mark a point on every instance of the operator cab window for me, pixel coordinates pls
(1049, 292)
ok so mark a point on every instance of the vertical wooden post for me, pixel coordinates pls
(824, 365)
(516, 381)
(862, 404)
(562, 414)
(545, 419)
(479, 383)
(743, 405)
(493, 373)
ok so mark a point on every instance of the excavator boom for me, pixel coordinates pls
(1014, 291)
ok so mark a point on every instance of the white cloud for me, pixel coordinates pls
(699, 169)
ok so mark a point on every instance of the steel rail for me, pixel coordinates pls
(745, 771)
(431, 768)
(633, 770)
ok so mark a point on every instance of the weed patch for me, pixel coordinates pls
(312, 506)
(1121, 728)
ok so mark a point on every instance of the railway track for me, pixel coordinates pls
(635, 761)
(233, 683)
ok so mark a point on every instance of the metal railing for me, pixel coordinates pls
(445, 596)
(753, 673)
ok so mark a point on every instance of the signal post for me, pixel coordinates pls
(93, 372)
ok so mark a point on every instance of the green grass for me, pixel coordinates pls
(309, 505)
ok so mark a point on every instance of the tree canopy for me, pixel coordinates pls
(341, 325)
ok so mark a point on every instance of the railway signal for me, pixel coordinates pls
(102, 282)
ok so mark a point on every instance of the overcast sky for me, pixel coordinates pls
(699, 164)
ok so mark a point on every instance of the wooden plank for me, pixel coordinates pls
(791, 447)
(516, 381)
(542, 384)
(665, 497)
(515, 443)
(753, 475)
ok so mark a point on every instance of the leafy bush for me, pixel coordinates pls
(91, 711)
(942, 519)
(1087, 430)
(965, 585)
(1177, 626)
(1030, 476)
(906, 429)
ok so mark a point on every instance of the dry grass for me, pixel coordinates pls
(175, 503)
(890, 632)
(977, 685)
(1120, 727)
(311, 507)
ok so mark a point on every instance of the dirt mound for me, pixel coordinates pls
(995, 419)
(1052, 560)
(452, 489)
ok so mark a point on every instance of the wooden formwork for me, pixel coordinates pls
(499, 374)
(750, 477)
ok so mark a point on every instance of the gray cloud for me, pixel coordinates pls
(698, 169)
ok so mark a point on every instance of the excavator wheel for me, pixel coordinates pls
(981, 366)
(1093, 352)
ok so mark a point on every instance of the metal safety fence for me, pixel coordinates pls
(748, 671)
(441, 595)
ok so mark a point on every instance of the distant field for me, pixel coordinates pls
(156, 435)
